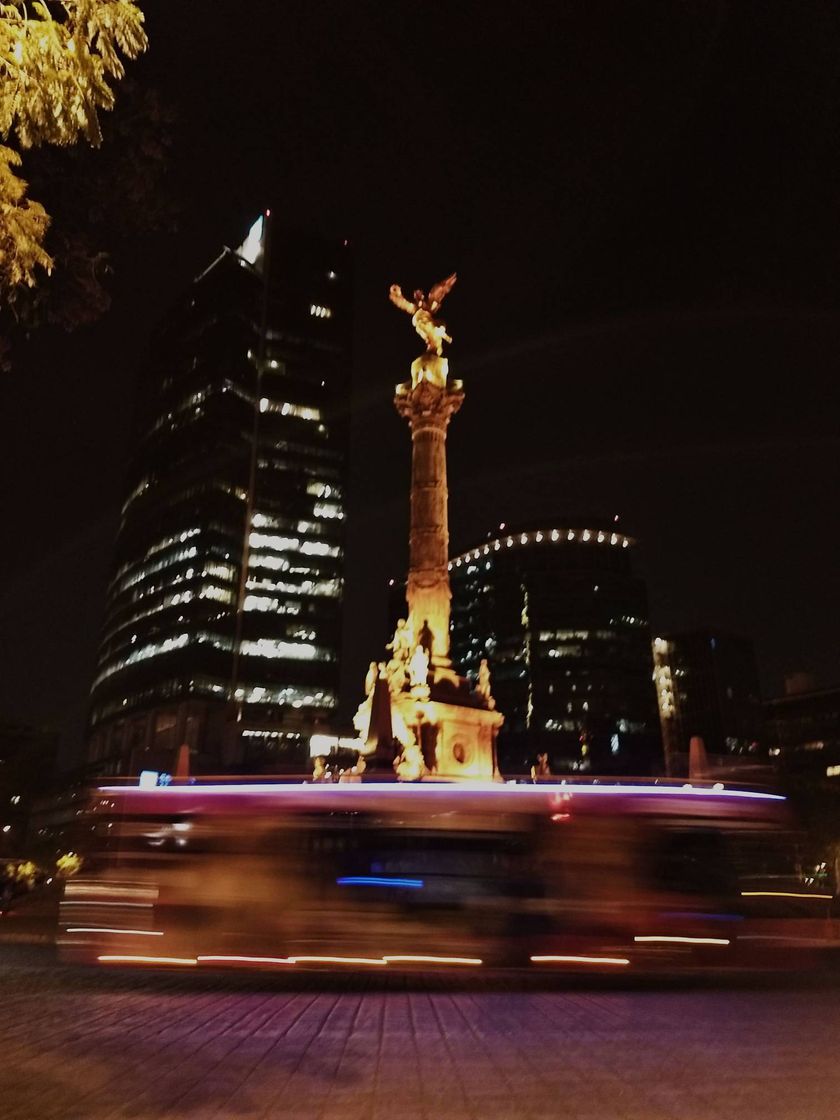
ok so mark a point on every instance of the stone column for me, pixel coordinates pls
(428, 403)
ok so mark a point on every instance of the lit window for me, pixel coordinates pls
(319, 311)
(154, 649)
(292, 651)
(224, 572)
(323, 489)
(150, 569)
(298, 697)
(326, 588)
(260, 541)
(275, 563)
(220, 594)
(269, 603)
(141, 486)
(319, 548)
(286, 408)
(159, 546)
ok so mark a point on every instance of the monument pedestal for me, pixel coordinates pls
(455, 740)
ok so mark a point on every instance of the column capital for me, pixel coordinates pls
(426, 404)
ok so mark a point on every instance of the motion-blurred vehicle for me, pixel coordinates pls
(620, 877)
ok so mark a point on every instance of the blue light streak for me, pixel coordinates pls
(378, 881)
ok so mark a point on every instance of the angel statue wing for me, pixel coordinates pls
(439, 292)
(398, 299)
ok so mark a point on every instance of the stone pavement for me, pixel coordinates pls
(100, 1045)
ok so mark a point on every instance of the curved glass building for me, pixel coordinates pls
(562, 620)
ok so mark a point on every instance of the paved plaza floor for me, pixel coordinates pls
(110, 1045)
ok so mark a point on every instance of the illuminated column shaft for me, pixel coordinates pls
(428, 403)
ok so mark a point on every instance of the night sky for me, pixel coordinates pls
(641, 200)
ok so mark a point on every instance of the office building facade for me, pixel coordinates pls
(802, 730)
(223, 619)
(561, 619)
(707, 686)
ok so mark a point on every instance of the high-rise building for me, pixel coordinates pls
(802, 729)
(707, 686)
(562, 620)
(27, 762)
(223, 619)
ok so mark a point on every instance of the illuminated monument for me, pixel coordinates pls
(419, 715)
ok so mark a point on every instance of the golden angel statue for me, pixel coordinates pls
(422, 308)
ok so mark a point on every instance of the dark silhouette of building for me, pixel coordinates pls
(561, 619)
(802, 729)
(27, 762)
(223, 619)
(707, 686)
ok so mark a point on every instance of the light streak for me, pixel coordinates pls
(338, 960)
(122, 958)
(684, 940)
(422, 958)
(99, 902)
(399, 958)
(787, 939)
(106, 888)
(552, 958)
(783, 894)
(222, 958)
(410, 789)
(378, 881)
(103, 929)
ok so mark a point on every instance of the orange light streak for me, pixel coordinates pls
(338, 960)
(783, 894)
(684, 940)
(422, 958)
(552, 958)
(100, 929)
(121, 958)
(223, 958)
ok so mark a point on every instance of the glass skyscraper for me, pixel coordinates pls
(223, 619)
(562, 620)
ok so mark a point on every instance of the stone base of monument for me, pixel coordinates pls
(441, 730)
(455, 731)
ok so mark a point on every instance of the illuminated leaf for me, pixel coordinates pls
(55, 62)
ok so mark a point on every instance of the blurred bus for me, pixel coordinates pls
(614, 877)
